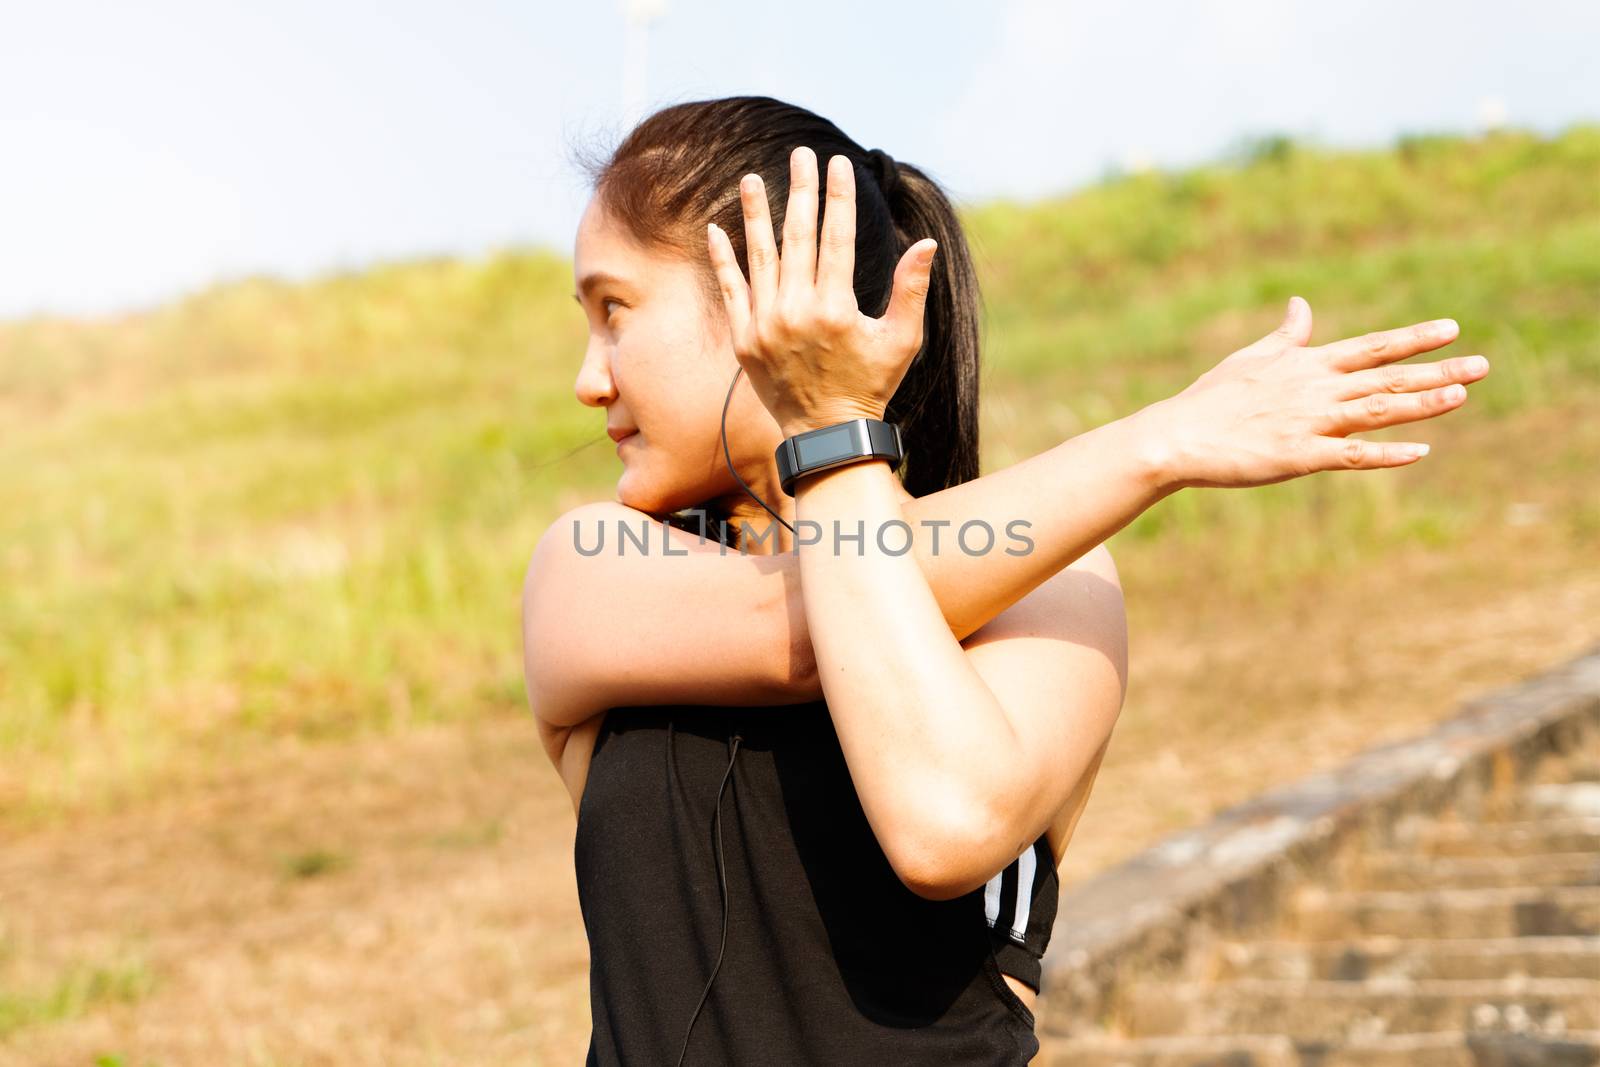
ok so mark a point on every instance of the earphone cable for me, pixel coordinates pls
(722, 878)
(716, 819)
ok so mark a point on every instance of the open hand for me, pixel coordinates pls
(812, 357)
(1278, 409)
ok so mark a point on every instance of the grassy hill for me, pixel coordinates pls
(276, 509)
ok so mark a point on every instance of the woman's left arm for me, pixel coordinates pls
(962, 760)
(962, 753)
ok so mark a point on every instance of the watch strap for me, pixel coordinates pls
(827, 447)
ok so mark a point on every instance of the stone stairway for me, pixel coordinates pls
(1466, 932)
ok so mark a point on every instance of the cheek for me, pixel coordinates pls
(656, 379)
(674, 386)
(644, 365)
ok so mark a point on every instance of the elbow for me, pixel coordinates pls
(948, 853)
(935, 881)
(797, 676)
(549, 662)
(801, 678)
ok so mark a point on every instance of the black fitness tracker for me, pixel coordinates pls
(836, 445)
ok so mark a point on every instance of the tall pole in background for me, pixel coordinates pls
(637, 16)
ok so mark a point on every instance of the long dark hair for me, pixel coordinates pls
(679, 169)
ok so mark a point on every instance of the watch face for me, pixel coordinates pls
(831, 443)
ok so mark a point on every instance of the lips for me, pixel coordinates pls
(617, 433)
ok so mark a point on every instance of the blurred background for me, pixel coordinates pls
(287, 352)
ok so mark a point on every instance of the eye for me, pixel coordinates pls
(605, 310)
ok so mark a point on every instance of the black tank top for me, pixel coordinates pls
(828, 958)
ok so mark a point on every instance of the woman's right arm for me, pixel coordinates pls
(723, 628)
(706, 627)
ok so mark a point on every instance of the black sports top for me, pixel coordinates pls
(826, 956)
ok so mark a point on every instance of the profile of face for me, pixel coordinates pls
(660, 361)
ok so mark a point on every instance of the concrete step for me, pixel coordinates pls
(1181, 1050)
(1535, 800)
(1316, 914)
(1516, 838)
(1572, 799)
(1415, 958)
(1347, 1011)
(1408, 870)
(1447, 1048)
(1579, 767)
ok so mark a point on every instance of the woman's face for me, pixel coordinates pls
(660, 366)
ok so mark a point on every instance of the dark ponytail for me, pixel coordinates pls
(937, 402)
(679, 169)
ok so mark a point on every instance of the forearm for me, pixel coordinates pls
(916, 723)
(1065, 501)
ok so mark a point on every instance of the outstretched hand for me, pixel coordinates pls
(812, 357)
(1278, 409)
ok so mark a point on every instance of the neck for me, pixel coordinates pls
(766, 536)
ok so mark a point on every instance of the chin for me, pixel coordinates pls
(635, 490)
(650, 496)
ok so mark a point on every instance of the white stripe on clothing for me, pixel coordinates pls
(1025, 866)
(991, 898)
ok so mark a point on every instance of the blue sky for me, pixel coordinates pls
(153, 148)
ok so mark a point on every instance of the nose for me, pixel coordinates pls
(595, 387)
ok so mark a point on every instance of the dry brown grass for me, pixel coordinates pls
(410, 900)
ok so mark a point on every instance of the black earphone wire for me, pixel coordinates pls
(716, 819)
(722, 878)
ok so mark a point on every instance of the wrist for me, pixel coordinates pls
(802, 423)
(849, 472)
(1154, 451)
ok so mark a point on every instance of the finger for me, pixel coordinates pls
(761, 249)
(1355, 454)
(730, 279)
(1411, 377)
(836, 259)
(1387, 346)
(912, 276)
(1386, 409)
(797, 271)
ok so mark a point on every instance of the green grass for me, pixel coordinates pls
(79, 989)
(305, 508)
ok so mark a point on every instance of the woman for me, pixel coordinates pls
(823, 784)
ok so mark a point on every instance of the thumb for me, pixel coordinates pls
(1296, 327)
(907, 302)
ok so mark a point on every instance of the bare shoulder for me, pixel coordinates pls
(577, 581)
(574, 533)
(1069, 634)
(1096, 561)
(575, 605)
(1082, 600)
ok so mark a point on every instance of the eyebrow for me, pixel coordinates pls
(594, 279)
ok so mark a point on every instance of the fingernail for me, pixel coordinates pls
(927, 253)
(1415, 451)
(1447, 325)
(1477, 363)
